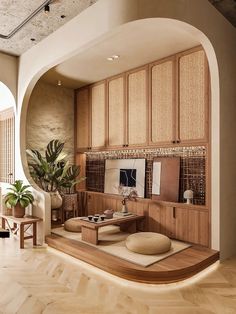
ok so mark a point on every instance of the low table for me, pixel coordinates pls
(89, 228)
(19, 225)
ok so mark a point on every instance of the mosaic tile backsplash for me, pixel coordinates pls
(192, 168)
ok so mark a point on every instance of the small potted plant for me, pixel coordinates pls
(19, 198)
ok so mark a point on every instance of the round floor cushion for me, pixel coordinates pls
(148, 243)
(72, 225)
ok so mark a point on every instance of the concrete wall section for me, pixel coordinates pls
(9, 72)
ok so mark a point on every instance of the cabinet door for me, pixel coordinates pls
(98, 118)
(162, 102)
(193, 97)
(116, 112)
(137, 101)
(83, 120)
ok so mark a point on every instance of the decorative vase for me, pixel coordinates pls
(18, 211)
(56, 200)
(70, 204)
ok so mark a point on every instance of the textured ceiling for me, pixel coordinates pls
(227, 8)
(13, 12)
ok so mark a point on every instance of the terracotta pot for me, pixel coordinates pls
(56, 200)
(18, 211)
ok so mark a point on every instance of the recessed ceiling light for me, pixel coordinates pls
(112, 58)
(59, 83)
(47, 8)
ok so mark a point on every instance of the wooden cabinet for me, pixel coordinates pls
(83, 119)
(116, 112)
(179, 99)
(137, 105)
(188, 224)
(98, 115)
(120, 116)
(162, 102)
(193, 97)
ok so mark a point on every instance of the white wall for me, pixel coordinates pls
(217, 37)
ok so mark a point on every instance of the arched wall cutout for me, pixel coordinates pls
(28, 86)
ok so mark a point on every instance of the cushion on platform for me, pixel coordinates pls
(72, 225)
(148, 243)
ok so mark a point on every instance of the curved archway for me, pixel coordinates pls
(28, 85)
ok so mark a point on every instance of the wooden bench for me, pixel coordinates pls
(19, 226)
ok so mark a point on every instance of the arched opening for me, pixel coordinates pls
(198, 38)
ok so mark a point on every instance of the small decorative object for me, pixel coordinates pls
(90, 217)
(109, 213)
(19, 198)
(102, 217)
(188, 195)
(95, 219)
(132, 196)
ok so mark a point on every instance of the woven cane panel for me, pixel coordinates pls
(192, 168)
(192, 96)
(82, 117)
(98, 115)
(162, 102)
(7, 146)
(116, 111)
(137, 107)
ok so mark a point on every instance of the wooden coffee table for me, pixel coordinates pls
(89, 228)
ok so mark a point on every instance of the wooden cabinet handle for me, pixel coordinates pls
(173, 142)
(178, 141)
(174, 213)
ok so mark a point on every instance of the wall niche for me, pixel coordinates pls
(193, 161)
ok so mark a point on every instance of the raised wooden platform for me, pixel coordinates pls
(177, 267)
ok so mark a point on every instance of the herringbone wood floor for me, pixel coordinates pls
(46, 281)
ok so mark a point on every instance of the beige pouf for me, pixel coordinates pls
(148, 243)
(72, 225)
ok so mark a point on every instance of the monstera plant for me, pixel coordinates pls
(52, 172)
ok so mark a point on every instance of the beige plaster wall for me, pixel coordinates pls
(50, 116)
(9, 72)
(218, 38)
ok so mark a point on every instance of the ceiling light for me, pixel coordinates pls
(47, 8)
(59, 83)
(112, 58)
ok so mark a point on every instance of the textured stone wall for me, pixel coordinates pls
(51, 116)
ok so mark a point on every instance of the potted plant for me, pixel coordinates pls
(52, 172)
(19, 198)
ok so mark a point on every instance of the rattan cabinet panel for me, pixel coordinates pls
(162, 102)
(137, 101)
(193, 97)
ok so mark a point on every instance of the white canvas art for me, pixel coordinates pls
(156, 178)
(129, 173)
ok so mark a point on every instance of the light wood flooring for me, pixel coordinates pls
(43, 280)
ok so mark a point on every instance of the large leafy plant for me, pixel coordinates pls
(19, 194)
(52, 172)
